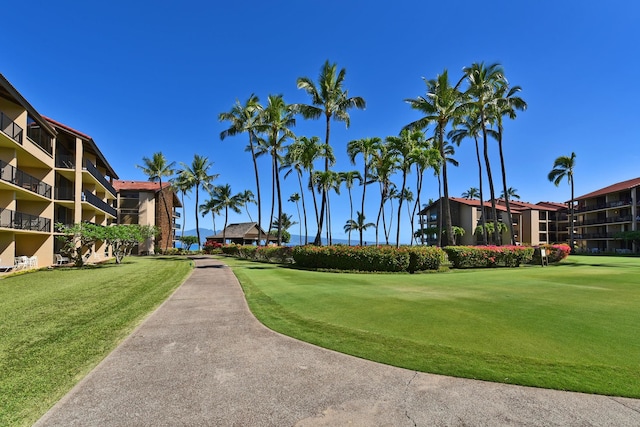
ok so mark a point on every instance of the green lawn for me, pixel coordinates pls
(57, 325)
(574, 326)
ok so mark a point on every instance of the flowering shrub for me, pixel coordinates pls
(555, 253)
(369, 258)
(488, 256)
(211, 247)
(231, 249)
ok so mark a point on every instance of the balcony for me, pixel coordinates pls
(176, 226)
(10, 128)
(22, 179)
(96, 202)
(64, 193)
(41, 138)
(23, 221)
(591, 236)
(176, 214)
(600, 206)
(65, 161)
(608, 220)
(89, 167)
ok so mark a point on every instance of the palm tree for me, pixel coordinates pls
(357, 225)
(366, 147)
(283, 223)
(512, 193)
(222, 199)
(468, 126)
(247, 197)
(506, 105)
(331, 99)
(348, 178)
(383, 166)
(563, 168)
(155, 169)
(325, 182)
(484, 82)
(441, 105)
(276, 119)
(402, 147)
(198, 175)
(295, 198)
(210, 206)
(181, 183)
(424, 156)
(244, 118)
(471, 193)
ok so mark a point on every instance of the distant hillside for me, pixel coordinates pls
(204, 232)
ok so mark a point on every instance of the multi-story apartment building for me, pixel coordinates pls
(49, 173)
(545, 222)
(139, 202)
(602, 214)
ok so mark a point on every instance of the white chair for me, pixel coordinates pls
(33, 262)
(21, 262)
(61, 260)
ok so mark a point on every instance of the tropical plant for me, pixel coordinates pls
(282, 224)
(276, 119)
(244, 118)
(181, 183)
(223, 199)
(328, 98)
(490, 229)
(295, 198)
(188, 241)
(325, 181)
(484, 82)
(155, 169)
(247, 197)
(423, 156)
(563, 168)
(512, 193)
(210, 206)
(471, 193)
(383, 166)
(357, 225)
(366, 147)
(349, 178)
(198, 175)
(441, 105)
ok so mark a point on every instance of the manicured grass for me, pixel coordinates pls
(571, 327)
(57, 325)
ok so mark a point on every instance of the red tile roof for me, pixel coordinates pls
(138, 185)
(620, 186)
(70, 129)
(474, 202)
(553, 205)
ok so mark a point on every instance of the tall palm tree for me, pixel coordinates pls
(383, 166)
(424, 156)
(325, 182)
(295, 198)
(349, 178)
(506, 104)
(441, 105)
(156, 168)
(223, 199)
(468, 126)
(276, 119)
(402, 147)
(198, 174)
(471, 193)
(328, 98)
(563, 169)
(181, 183)
(484, 81)
(366, 147)
(244, 118)
(357, 225)
(210, 206)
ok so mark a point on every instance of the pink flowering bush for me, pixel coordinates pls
(555, 253)
(488, 256)
(369, 258)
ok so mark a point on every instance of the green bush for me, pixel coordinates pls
(369, 258)
(488, 256)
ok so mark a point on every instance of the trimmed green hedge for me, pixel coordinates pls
(555, 253)
(488, 256)
(369, 258)
(278, 254)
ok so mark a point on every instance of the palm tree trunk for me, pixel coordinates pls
(255, 170)
(404, 183)
(440, 209)
(275, 162)
(224, 230)
(166, 208)
(273, 200)
(494, 212)
(197, 223)
(571, 220)
(350, 212)
(304, 210)
(482, 209)
(504, 187)
(364, 191)
(182, 230)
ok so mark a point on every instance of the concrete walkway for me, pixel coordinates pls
(202, 359)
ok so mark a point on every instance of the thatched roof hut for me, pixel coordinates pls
(244, 233)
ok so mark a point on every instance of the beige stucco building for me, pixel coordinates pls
(49, 173)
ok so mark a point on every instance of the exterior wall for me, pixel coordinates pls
(166, 237)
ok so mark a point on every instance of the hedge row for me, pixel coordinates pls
(279, 254)
(488, 256)
(555, 253)
(369, 258)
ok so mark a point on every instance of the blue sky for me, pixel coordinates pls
(141, 77)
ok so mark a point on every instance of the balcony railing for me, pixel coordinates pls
(65, 161)
(10, 128)
(613, 204)
(590, 236)
(97, 175)
(608, 220)
(40, 137)
(95, 201)
(22, 179)
(64, 193)
(23, 221)
(176, 226)
(176, 214)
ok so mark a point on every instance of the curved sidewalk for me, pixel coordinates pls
(202, 359)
